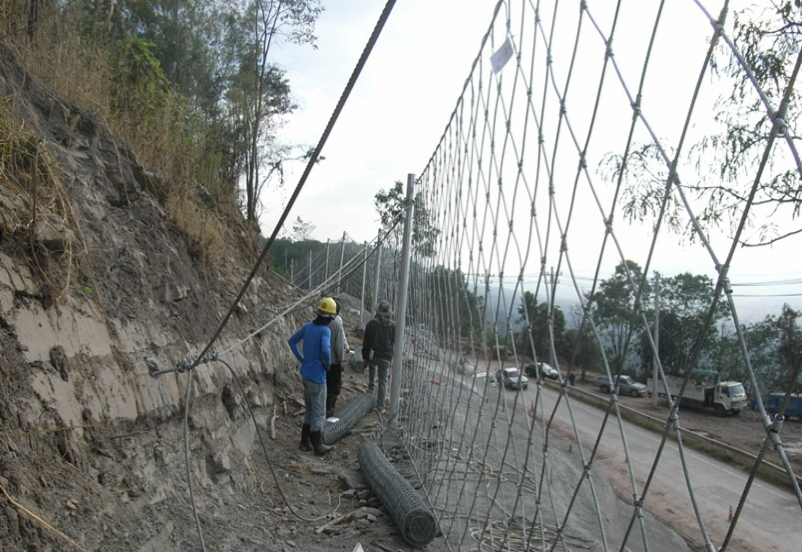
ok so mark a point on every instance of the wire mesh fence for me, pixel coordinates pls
(589, 138)
(565, 157)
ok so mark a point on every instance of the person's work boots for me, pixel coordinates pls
(306, 443)
(317, 443)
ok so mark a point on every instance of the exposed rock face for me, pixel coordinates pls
(96, 286)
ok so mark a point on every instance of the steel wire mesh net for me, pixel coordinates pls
(572, 124)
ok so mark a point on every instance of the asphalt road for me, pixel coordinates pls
(771, 520)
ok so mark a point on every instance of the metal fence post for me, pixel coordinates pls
(401, 311)
(376, 273)
(326, 273)
(340, 272)
(360, 329)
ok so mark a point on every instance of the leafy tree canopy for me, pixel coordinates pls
(720, 170)
(538, 338)
(391, 204)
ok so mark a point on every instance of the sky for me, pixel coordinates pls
(421, 59)
(376, 140)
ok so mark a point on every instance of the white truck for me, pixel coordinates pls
(704, 389)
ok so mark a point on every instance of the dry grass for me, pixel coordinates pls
(82, 73)
(35, 202)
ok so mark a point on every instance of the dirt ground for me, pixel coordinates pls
(308, 487)
(299, 501)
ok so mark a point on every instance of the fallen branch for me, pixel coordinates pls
(332, 523)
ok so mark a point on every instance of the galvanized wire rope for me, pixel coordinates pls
(346, 270)
(483, 169)
(279, 224)
(247, 402)
(525, 140)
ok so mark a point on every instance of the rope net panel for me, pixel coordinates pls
(601, 114)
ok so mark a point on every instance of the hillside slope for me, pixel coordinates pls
(97, 282)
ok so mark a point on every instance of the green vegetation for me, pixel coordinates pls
(188, 84)
(390, 205)
(690, 337)
(541, 323)
(748, 124)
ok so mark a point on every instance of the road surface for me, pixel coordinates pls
(771, 520)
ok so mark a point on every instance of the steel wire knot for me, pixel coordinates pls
(187, 362)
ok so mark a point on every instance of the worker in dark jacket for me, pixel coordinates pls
(377, 350)
(315, 362)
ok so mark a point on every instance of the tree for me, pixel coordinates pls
(392, 203)
(215, 56)
(184, 33)
(789, 350)
(537, 338)
(725, 161)
(762, 340)
(451, 304)
(302, 231)
(259, 94)
(583, 346)
(775, 353)
(613, 310)
(685, 300)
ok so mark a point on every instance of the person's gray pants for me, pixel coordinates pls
(384, 378)
(315, 403)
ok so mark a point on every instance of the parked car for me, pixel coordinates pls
(541, 368)
(512, 378)
(625, 384)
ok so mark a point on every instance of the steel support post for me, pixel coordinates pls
(342, 257)
(401, 307)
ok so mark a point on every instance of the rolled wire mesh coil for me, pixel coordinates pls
(416, 521)
(347, 417)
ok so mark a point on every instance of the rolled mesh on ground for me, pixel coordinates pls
(347, 417)
(405, 505)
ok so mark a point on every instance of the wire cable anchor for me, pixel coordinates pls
(182, 365)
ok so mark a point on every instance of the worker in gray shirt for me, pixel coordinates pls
(339, 347)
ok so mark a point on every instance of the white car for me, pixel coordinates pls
(541, 368)
(512, 378)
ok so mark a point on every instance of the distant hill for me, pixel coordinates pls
(749, 309)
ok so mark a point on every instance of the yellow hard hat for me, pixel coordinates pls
(327, 307)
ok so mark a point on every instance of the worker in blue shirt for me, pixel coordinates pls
(315, 362)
